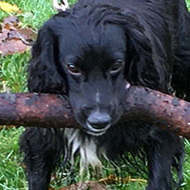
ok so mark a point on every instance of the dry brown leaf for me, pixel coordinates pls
(13, 38)
(94, 185)
(10, 47)
(102, 183)
(11, 21)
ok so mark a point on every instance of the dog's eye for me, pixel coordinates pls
(116, 67)
(73, 69)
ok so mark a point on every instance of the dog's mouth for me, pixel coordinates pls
(97, 130)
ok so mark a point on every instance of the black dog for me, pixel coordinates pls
(87, 54)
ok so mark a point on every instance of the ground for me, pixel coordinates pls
(13, 78)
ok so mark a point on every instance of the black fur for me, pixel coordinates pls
(87, 54)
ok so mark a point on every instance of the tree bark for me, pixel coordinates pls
(35, 109)
(158, 109)
(142, 104)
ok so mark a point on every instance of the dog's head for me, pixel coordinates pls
(89, 54)
(94, 64)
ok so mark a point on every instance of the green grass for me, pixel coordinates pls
(13, 72)
(13, 78)
(11, 172)
(188, 4)
(187, 166)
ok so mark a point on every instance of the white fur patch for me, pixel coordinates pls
(127, 85)
(98, 97)
(87, 149)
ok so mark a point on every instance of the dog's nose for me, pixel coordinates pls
(99, 120)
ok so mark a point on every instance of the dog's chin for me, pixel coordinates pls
(96, 132)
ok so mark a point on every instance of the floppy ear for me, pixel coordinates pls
(148, 56)
(44, 72)
(140, 66)
(150, 60)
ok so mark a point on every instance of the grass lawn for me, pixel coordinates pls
(13, 78)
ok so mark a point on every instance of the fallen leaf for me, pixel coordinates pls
(14, 38)
(10, 47)
(94, 185)
(11, 21)
(102, 183)
(8, 7)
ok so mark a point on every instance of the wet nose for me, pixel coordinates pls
(99, 120)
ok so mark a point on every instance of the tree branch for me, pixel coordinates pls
(158, 109)
(142, 104)
(33, 109)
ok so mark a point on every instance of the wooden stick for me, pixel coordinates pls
(33, 109)
(142, 104)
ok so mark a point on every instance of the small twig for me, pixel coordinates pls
(23, 40)
(115, 180)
